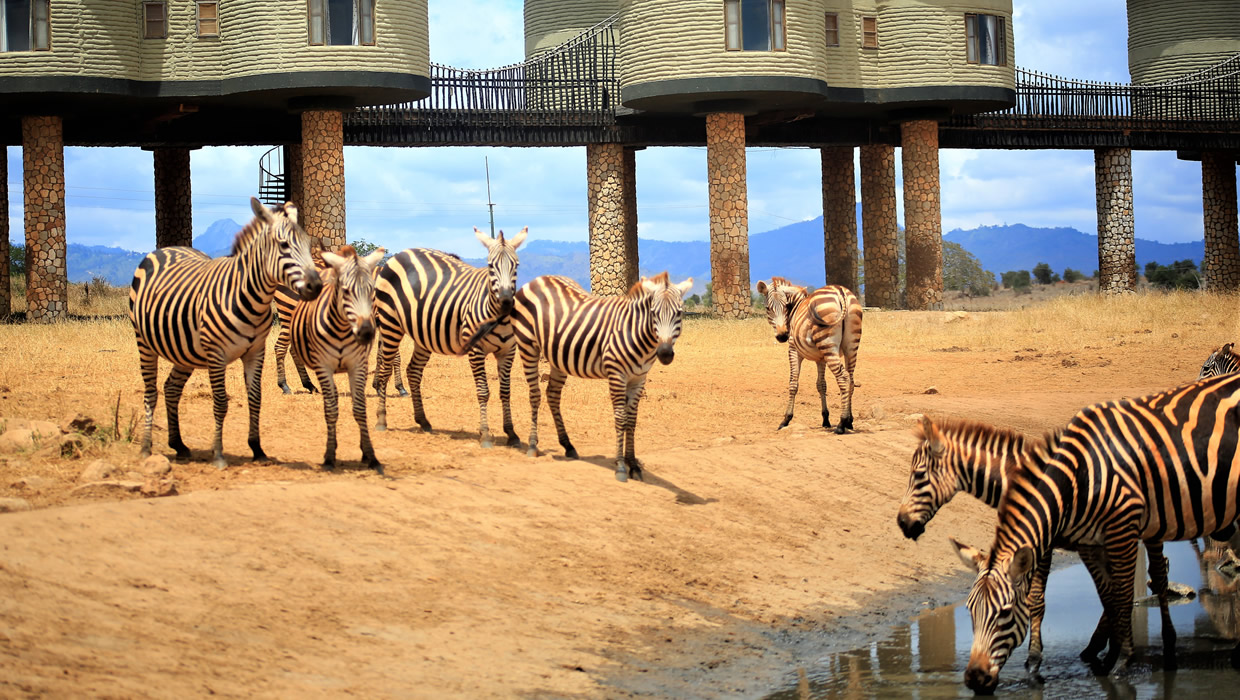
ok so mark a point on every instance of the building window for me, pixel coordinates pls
(342, 22)
(754, 25)
(209, 19)
(869, 32)
(154, 20)
(987, 38)
(833, 29)
(25, 25)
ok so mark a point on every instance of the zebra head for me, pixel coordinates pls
(781, 298)
(292, 265)
(1221, 361)
(355, 288)
(502, 266)
(667, 306)
(931, 483)
(999, 607)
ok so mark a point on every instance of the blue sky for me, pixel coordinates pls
(403, 197)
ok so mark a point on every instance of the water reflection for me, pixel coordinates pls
(925, 659)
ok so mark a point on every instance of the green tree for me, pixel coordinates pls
(1181, 274)
(708, 295)
(1042, 273)
(1018, 280)
(17, 259)
(364, 247)
(1070, 275)
(962, 271)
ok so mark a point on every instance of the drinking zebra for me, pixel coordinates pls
(956, 456)
(1157, 468)
(823, 327)
(449, 307)
(613, 338)
(1222, 361)
(332, 334)
(203, 313)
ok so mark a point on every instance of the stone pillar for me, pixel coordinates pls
(294, 188)
(322, 150)
(174, 221)
(923, 220)
(631, 257)
(878, 226)
(729, 214)
(6, 292)
(1117, 261)
(1221, 266)
(613, 258)
(43, 168)
(839, 216)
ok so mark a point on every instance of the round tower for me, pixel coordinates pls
(550, 23)
(1171, 40)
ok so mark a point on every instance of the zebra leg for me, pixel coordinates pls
(478, 365)
(304, 376)
(503, 365)
(148, 362)
(555, 387)
(417, 364)
(618, 386)
(1121, 562)
(400, 385)
(331, 412)
(173, 386)
(1158, 566)
(385, 361)
(633, 395)
(794, 379)
(357, 386)
(219, 402)
(1037, 610)
(530, 361)
(843, 378)
(822, 394)
(1094, 559)
(283, 339)
(253, 363)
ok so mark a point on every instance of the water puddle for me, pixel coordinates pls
(926, 658)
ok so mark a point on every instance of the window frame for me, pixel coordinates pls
(972, 44)
(777, 27)
(147, 6)
(322, 9)
(867, 34)
(832, 16)
(199, 19)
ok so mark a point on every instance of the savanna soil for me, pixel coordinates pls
(482, 572)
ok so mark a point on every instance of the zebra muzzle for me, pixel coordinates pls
(782, 337)
(365, 332)
(311, 286)
(666, 354)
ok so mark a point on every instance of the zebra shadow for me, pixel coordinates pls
(683, 497)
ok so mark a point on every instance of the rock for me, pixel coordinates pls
(13, 505)
(17, 440)
(106, 488)
(931, 390)
(156, 487)
(33, 483)
(70, 446)
(720, 441)
(99, 470)
(45, 428)
(155, 465)
(955, 316)
(81, 424)
(914, 417)
(877, 412)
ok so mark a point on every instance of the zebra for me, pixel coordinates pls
(332, 334)
(203, 313)
(449, 307)
(1157, 468)
(1224, 360)
(613, 338)
(824, 327)
(955, 456)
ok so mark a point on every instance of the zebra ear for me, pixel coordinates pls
(518, 239)
(971, 557)
(483, 238)
(374, 258)
(259, 210)
(335, 261)
(290, 210)
(649, 286)
(1021, 564)
(930, 432)
(762, 288)
(684, 287)
(1226, 348)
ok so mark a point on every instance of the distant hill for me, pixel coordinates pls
(217, 240)
(1020, 247)
(86, 262)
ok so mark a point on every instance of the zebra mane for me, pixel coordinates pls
(636, 290)
(249, 232)
(956, 429)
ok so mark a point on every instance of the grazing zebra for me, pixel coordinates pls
(1157, 468)
(613, 338)
(955, 456)
(452, 308)
(203, 313)
(1222, 361)
(824, 327)
(332, 334)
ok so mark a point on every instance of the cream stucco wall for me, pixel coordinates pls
(549, 23)
(1168, 40)
(102, 39)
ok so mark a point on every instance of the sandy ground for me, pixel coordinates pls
(470, 572)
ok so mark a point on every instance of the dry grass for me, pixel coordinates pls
(92, 299)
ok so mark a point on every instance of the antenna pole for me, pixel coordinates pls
(490, 204)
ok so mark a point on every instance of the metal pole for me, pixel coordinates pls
(490, 204)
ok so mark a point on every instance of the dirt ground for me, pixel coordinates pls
(745, 554)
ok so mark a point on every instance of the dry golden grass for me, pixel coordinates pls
(86, 299)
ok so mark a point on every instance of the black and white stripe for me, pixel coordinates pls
(1224, 360)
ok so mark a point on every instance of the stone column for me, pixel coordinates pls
(294, 188)
(1117, 260)
(878, 226)
(631, 257)
(174, 221)
(1221, 266)
(613, 263)
(923, 220)
(6, 292)
(729, 214)
(43, 168)
(839, 216)
(322, 150)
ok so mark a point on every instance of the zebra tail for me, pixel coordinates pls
(482, 332)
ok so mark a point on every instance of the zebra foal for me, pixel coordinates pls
(332, 334)
(1158, 468)
(1224, 360)
(203, 313)
(613, 338)
(824, 327)
(449, 307)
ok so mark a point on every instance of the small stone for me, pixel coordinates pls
(720, 441)
(99, 470)
(32, 483)
(155, 465)
(931, 390)
(44, 428)
(914, 417)
(155, 487)
(17, 440)
(877, 412)
(105, 488)
(13, 505)
(955, 316)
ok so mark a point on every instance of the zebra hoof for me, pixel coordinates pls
(380, 427)
(635, 471)
(329, 465)
(403, 392)
(374, 464)
(514, 441)
(570, 452)
(486, 443)
(787, 420)
(284, 387)
(425, 425)
(219, 463)
(622, 473)
(845, 425)
(532, 452)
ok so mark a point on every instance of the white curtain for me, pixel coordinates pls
(357, 33)
(4, 29)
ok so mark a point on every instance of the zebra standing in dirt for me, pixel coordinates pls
(1157, 468)
(203, 313)
(1222, 361)
(449, 307)
(613, 338)
(823, 327)
(332, 334)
